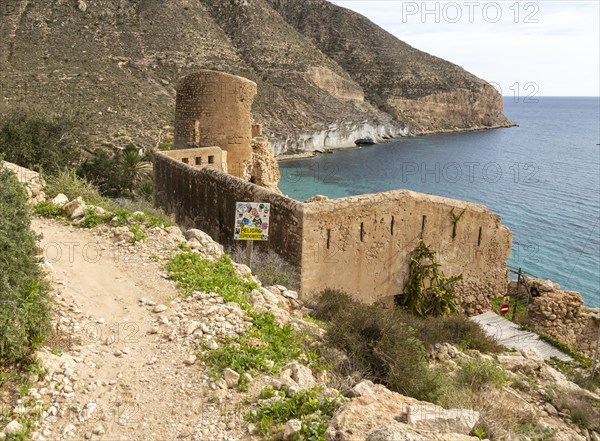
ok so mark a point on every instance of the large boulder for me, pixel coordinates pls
(396, 431)
(437, 419)
(201, 241)
(60, 200)
(301, 375)
(519, 363)
(365, 388)
(33, 182)
(75, 208)
(375, 407)
(354, 420)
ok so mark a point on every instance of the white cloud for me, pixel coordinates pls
(554, 44)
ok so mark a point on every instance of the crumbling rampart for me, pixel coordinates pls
(361, 244)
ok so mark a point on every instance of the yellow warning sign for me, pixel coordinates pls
(252, 221)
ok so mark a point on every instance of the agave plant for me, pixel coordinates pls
(427, 291)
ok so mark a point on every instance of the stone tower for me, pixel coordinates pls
(215, 109)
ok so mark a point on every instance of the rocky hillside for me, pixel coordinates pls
(321, 83)
(159, 335)
(422, 91)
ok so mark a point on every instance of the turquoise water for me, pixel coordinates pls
(542, 177)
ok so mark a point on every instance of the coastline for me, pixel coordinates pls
(309, 154)
(301, 155)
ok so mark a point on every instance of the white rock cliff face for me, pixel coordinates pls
(337, 136)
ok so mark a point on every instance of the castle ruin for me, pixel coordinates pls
(215, 109)
(360, 244)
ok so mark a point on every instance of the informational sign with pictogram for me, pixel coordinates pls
(252, 221)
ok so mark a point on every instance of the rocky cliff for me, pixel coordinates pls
(424, 92)
(321, 83)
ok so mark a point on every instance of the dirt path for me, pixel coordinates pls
(123, 379)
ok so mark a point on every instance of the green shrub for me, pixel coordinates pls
(144, 190)
(166, 144)
(475, 374)
(138, 233)
(427, 291)
(48, 209)
(455, 329)
(389, 345)
(267, 392)
(122, 173)
(41, 142)
(103, 171)
(309, 406)
(154, 217)
(24, 302)
(266, 345)
(264, 342)
(330, 303)
(381, 347)
(480, 433)
(535, 432)
(193, 273)
(92, 219)
(68, 183)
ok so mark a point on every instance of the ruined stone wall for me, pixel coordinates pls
(362, 244)
(205, 199)
(561, 315)
(212, 157)
(214, 108)
(265, 169)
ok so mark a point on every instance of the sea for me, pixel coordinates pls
(542, 177)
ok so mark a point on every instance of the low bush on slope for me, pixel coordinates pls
(24, 303)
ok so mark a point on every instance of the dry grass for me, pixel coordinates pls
(268, 267)
(503, 414)
(583, 410)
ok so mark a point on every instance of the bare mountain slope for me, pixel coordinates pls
(300, 88)
(116, 62)
(424, 91)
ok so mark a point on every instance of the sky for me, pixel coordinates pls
(523, 48)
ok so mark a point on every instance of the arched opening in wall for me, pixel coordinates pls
(197, 131)
(479, 238)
